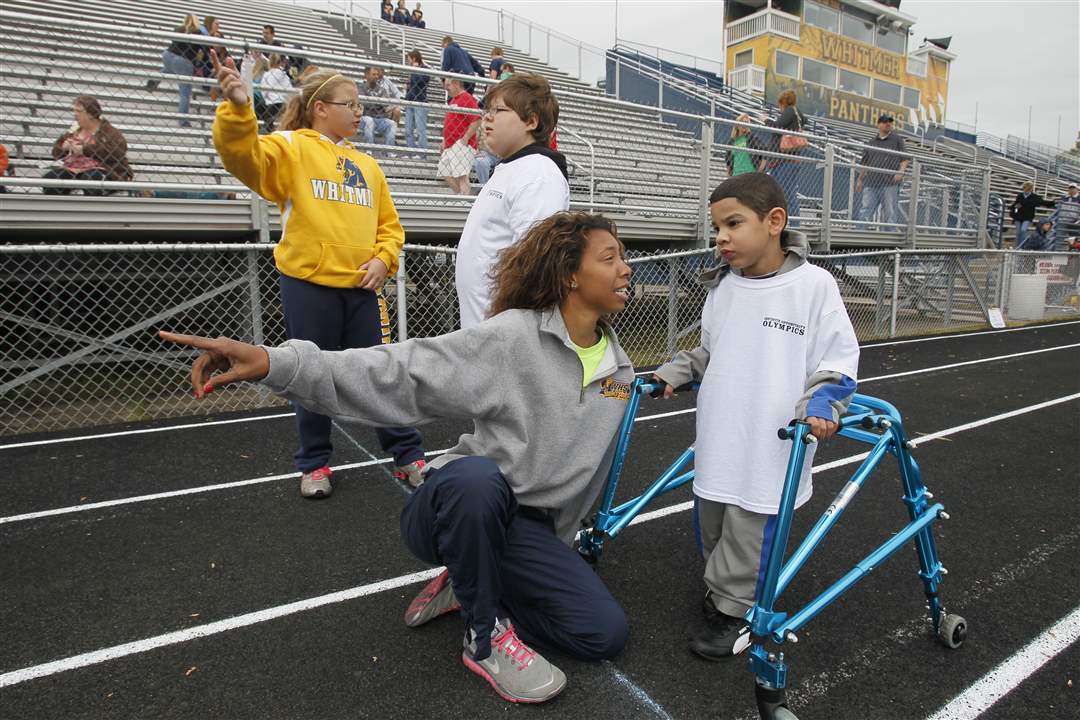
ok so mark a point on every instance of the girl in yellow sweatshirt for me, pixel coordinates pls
(340, 236)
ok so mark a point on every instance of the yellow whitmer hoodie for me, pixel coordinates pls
(336, 210)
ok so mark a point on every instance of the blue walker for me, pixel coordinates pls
(869, 420)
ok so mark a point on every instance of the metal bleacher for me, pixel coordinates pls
(628, 164)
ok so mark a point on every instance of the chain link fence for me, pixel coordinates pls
(79, 322)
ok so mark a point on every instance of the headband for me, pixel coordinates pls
(310, 99)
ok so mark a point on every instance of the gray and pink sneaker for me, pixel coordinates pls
(517, 672)
(437, 598)
(316, 483)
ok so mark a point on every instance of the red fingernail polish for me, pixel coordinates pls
(208, 388)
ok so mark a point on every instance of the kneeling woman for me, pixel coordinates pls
(545, 383)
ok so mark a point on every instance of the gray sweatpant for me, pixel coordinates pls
(733, 542)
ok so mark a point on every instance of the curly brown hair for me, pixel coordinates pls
(534, 274)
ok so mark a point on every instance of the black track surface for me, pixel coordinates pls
(83, 581)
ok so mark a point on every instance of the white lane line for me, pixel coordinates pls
(637, 693)
(143, 431)
(970, 334)
(188, 426)
(271, 478)
(187, 491)
(118, 651)
(997, 683)
(972, 362)
(213, 628)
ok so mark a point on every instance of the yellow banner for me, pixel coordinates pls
(856, 55)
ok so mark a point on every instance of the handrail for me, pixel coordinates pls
(658, 49)
(592, 161)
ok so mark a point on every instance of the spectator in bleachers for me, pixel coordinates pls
(507, 71)
(386, 11)
(457, 59)
(254, 68)
(485, 159)
(417, 18)
(416, 90)
(401, 14)
(743, 160)
(379, 119)
(92, 150)
(1022, 210)
(269, 36)
(1067, 218)
(788, 172)
(4, 165)
(880, 187)
(528, 185)
(340, 238)
(275, 88)
(1041, 237)
(181, 58)
(497, 62)
(459, 138)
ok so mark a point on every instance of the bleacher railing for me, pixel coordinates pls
(79, 321)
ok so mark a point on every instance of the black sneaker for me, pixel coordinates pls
(724, 636)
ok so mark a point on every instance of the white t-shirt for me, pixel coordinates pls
(765, 339)
(275, 78)
(518, 194)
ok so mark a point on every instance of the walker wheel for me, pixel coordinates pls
(953, 630)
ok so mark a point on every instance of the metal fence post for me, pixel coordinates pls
(254, 296)
(260, 219)
(618, 67)
(402, 309)
(895, 293)
(879, 298)
(660, 99)
(950, 289)
(826, 198)
(707, 133)
(984, 210)
(672, 307)
(913, 203)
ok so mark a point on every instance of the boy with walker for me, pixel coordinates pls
(776, 344)
(340, 237)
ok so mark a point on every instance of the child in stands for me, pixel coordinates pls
(340, 237)
(528, 184)
(776, 344)
(501, 508)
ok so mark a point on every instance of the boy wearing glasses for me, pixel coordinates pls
(528, 184)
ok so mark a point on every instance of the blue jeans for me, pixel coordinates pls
(1022, 230)
(179, 65)
(887, 197)
(786, 173)
(505, 559)
(385, 127)
(416, 123)
(483, 164)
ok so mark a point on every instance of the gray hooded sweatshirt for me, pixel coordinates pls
(516, 376)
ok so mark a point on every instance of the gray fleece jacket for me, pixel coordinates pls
(826, 393)
(516, 376)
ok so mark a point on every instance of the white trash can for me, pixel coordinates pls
(1027, 297)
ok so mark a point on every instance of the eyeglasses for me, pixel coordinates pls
(492, 112)
(352, 105)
